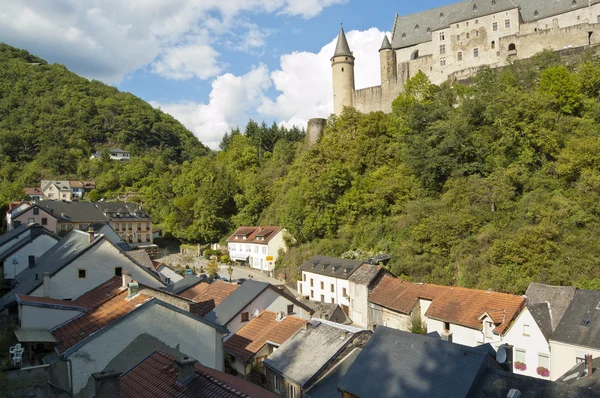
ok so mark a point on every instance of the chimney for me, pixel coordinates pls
(126, 277)
(46, 285)
(447, 336)
(186, 370)
(589, 364)
(90, 234)
(134, 289)
(107, 384)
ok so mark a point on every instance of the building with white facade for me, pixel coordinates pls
(21, 247)
(326, 279)
(257, 246)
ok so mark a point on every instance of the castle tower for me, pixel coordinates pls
(387, 59)
(342, 65)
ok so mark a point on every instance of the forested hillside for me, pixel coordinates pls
(489, 185)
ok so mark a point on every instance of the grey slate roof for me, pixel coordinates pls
(35, 231)
(585, 306)
(66, 250)
(577, 376)
(14, 233)
(131, 210)
(326, 387)
(85, 212)
(497, 384)
(321, 310)
(548, 9)
(541, 314)
(478, 8)
(223, 313)
(365, 274)
(558, 298)
(342, 48)
(386, 45)
(304, 354)
(331, 266)
(142, 258)
(401, 364)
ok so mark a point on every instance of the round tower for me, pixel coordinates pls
(387, 59)
(342, 65)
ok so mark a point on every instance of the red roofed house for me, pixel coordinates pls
(211, 295)
(465, 316)
(256, 340)
(124, 327)
(256, 246)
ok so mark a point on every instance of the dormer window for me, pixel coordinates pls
(474, 7)
(416, 27)
(493, 2)
(403, 36)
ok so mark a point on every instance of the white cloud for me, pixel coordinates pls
(303, 80)
(106, 39)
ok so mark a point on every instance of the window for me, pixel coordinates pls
(311, 282)
(63, 227)
(526, 330)
(290, 309)
(81, 273)
(147, 238)
(476, 33)
(493, 2)
(495, 26)
(123, 226)
(322, 298)
(446, 326)
(248, 249)
(139, 226)
(468, 35)
(36, 211)
(520, 355)
(322, 285)
(489, 330)
(148, 226)
(476, 52)
(312, 294)
(507, 23)
(493, 45)
(544, 361)
(264, 250)
(477, 22)
(457, 37)
(276, 383)
(118, 271)
(442, 35)
(344, 293)
(291, 391)
(459, 56)
(442, 49)
(130, 226)
(443, 61)
(245, 317)
(332, 300)
(30, 220)
(332, 288)
(255, 249)
(44, 221)
(304, 277)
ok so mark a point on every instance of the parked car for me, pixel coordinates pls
(189, 272)
(241, 280)
(225, 279)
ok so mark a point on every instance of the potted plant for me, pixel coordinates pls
(542, 371)
(520, 366)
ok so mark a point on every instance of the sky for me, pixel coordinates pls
(212, 64)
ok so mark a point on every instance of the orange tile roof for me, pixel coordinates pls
(456, 305)
(47, 301)
(212, 296)
(156, 377)
(251, 234)
(78, 329)
(32, 191)
(251, 338)
(195, 290)
(100, 293)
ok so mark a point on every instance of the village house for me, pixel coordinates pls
(577, 333)
(56, 190)
(115, 154)
(328, 311)
(361, 284)
(249, 300)
(167, 274)
(465, 316)
(21, 247)
(33, 194)
(257, 246)
(26, 213)
(129, 220)
(206, 296)
(309, 354)
(164, 376)
(259, 338)
(325, 279)
(529, 334)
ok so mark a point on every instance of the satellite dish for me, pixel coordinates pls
(501, 355)
(256, 312)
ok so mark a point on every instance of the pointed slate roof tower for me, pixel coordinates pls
(342, 48)
(386, 45)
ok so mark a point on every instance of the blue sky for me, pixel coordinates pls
(212, 64)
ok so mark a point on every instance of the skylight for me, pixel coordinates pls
(586, 322)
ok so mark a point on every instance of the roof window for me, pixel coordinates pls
(493, 2)
(474, 7)
(586, 322)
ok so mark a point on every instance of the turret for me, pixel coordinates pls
(342, 65)
(387, 59)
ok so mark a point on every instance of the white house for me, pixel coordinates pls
(577, 333)
(325, 279)
(115, 154)
(249, 300)
(257, 246)
(45, 313)
(28, 243)
(361, 283)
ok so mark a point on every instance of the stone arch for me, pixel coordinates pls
(414, 55)
(512, 47)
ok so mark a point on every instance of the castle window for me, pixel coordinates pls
(507, 23)
(468, 35)
(441, 15)
(512, 47)
(536, 13)
(495, 26)
(493, 45)
(459, 56)
(442, 49)
(457, 37)
(493, 2)
(476, 33)
(442, 36)
(443, 61)
(476, 52)
(342, 69)
(474, 7)
(573, 3)
(477, 22)
(416, 27)
(429, 30)
(403, 36)
(598, 18)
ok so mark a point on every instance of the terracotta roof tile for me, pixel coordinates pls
(78, 329)
(456, 305)
(252, 233)
(210, 297)
(251, 338)
(24, 299)
(156, 377)
(194, 291)
(100, 294)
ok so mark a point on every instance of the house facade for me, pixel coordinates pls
(115, 154)
(25, 252)
(57, 190)
(27, 214)
(257, 246)
(361, 284)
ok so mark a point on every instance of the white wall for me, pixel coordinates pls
(44, 318)
(19, 260)
(258, 252)
(15, 240)
(564, 357)
(534, 343)
(359, 304)
(187, 335)
(167, 272)
(463, 335)
(337, 296)
(99, 262)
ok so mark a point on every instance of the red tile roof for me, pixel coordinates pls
(80, 328)
(195, 290)
(101, 293)
(156, 377)
(252, 233)
(32, 191)
(457, 305)
(24, 299)
(251, 338)
(212, 296)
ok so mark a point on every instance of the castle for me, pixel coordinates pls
(451, 43)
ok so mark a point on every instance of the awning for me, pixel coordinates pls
(239, 257)
(30, 335)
